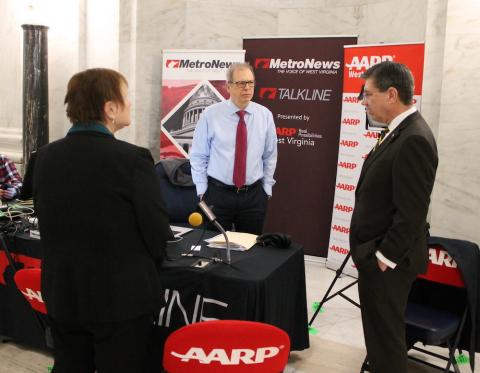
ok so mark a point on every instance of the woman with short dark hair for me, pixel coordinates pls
(104, 228)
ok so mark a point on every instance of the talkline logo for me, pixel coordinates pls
(290, 66)
(196, 64)
(294, 94)
(244, 355)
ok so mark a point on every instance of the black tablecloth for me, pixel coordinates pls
(263, 284)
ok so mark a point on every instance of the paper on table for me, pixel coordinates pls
(238, 241)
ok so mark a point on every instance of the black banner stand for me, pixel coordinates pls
(326, 297)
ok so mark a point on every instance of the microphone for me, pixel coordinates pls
(212, 218)
(207, 211)
(195, 219)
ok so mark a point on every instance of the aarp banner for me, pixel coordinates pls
(357, 138)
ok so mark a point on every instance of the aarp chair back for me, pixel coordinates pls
(28, 281)
(226, 346)
(438, 324)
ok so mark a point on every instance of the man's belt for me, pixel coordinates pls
(233, 188)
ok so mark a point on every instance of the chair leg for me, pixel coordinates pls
(451, 361)
(451, 349)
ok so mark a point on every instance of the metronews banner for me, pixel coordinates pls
(356, 139)
(300, 80)
(191, 81)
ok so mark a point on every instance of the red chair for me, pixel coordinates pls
(226, 346)
(438, 324)
(28, 281)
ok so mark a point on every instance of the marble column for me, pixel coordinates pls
(35, 88)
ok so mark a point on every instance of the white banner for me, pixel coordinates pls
(356, 140)
(191, 81)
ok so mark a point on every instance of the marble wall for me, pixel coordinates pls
(221, 24)
(138, 31)
(456, 197)
(11, 82)
(63, 19)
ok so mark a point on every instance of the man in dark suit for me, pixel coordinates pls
(104, 228)
(388, 228)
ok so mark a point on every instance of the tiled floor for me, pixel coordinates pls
(337, 347)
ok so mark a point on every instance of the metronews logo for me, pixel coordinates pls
(237, 355)
(308, 63)
(196, 64)
(268, 93)
(294, 94)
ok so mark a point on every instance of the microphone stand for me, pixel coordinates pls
(220, 228)
(211, 216)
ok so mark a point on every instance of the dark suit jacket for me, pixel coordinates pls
(392, 198)
(103, 226)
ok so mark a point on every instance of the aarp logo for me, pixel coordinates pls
(232, 357)
(365, 62)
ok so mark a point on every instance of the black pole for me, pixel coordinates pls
(327, 295)
(35, 89)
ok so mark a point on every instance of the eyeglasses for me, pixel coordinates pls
(244, 83)
(364, 95)
(360, 95)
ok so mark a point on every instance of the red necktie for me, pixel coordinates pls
(240, 165)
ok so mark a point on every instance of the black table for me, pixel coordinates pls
(263, 284)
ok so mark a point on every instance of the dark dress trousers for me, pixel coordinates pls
(391, 205)
(103, 227)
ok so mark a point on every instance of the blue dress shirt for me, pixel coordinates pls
(213, 148)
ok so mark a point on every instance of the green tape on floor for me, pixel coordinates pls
(50, 368)
(312, 330)
(315, 307)
(462, 359)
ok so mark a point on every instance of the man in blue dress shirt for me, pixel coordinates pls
(234, 154)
